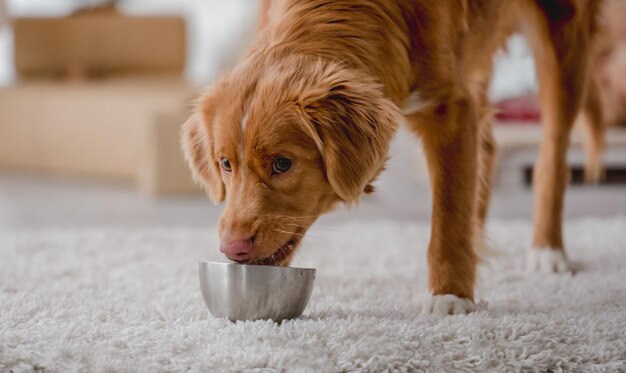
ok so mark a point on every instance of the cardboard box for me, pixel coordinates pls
(92, 129)
(101, 43)
(162, 169)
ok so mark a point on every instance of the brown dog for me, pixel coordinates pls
(305, 121)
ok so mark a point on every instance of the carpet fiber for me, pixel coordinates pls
(128, 300)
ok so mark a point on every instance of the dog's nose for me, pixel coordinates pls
(237, 250)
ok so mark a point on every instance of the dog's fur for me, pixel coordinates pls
(323, 86)
(609, 62)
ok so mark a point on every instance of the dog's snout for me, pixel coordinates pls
(236, 249)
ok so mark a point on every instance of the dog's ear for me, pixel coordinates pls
(197, 143)
(352, 124)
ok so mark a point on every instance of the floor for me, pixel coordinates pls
(128, 300)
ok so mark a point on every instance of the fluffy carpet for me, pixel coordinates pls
(128, 300)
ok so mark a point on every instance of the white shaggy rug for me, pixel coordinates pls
(128, 300)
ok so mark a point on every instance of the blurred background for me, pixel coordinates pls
(93, 93)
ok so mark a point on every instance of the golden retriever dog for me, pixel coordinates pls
(304, 122)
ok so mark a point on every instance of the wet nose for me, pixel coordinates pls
(236, 249)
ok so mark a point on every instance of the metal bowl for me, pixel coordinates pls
(255, 292)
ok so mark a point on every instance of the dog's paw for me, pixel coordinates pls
(447, 304)
(547, 261)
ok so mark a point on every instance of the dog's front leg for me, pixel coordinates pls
(448, 131)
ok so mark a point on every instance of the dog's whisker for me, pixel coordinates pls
(314, 228)
(287, 232)
(324, 229)
(294, 217)
(308, 235)
(295, 225)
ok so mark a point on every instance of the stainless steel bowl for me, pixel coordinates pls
(255, 292)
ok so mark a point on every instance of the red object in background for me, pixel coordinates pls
(519, 110)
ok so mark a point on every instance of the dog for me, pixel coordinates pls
(304, 122)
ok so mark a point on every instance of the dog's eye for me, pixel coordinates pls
(281, 165)
(225, 163)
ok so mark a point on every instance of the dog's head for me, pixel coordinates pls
(282, 144)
